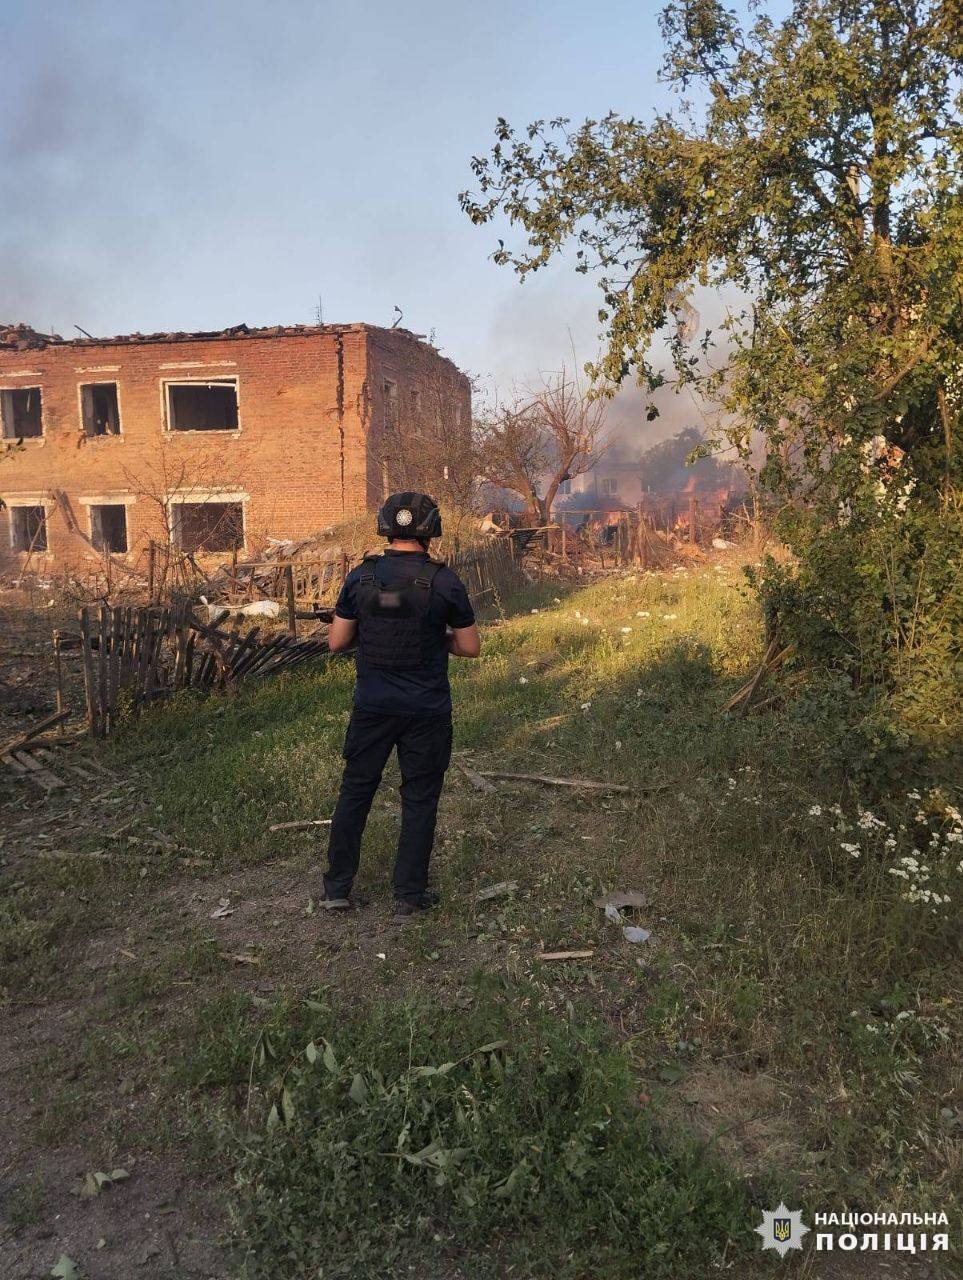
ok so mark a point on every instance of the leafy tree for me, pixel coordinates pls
(812, 169)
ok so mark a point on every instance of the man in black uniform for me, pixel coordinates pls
(409, 613)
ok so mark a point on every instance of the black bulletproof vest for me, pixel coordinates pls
(391, 618)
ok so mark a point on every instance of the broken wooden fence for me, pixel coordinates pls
(133, 655)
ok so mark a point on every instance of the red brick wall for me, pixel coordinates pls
(300, 457)
(433, 404)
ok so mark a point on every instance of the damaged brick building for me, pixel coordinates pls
(211, 441)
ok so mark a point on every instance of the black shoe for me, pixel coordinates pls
(405, 908)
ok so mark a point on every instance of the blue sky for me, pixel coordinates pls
(195, 165)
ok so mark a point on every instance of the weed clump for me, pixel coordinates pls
(407, 1132)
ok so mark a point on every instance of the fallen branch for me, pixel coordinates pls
(475, 779)
(774, 657)
(563, 955)
(586, 784)
(301, 825)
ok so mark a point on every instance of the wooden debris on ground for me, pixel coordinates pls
(773, 659)
(585, 784)
(620, 899)
(564, 955)
(475, 779)
(28, 735)
(499, 890)
(301, 825)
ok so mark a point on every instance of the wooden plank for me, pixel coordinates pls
(245, 654)
(180, 650)
(289, 596)
(161, 632)
(90, 691)
(35, 771)
(103, 668)
(48, 722)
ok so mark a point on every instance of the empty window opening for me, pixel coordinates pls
(202, 406)
(100, 409)
(20, 409)
(28, 528)
(609, 486)
(416, 403)
(565, 488)
(108, 527)
(208, 526)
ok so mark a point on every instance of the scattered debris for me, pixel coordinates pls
(222, 909)
(611, 904)
(240, 957)
(496, 890)
(93, 1184)
(621, 899)
(25, 766)
(48, 722)
(774, 657)
(66, 1269)
(633, 933)
(563, 955)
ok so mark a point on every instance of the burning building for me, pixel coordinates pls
(657, 482)
(210, 442)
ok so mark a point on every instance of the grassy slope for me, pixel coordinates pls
(767, 938)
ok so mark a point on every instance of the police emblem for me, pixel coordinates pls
(403, 517)
(782, 1229)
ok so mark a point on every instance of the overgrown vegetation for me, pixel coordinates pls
(794, 1011)
(412, 1131)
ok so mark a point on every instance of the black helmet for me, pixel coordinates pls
(409, 515)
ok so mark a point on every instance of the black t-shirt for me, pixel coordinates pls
(422, 690)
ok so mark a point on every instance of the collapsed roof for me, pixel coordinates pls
(21, 337)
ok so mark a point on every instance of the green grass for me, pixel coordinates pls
(775, 954)
(404, 1134)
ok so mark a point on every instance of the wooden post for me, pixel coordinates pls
(88, 664)
(151, 570)
(289, 592)
(693, 503)
(60, 679)
(564, 548)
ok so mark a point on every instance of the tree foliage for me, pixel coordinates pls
(811, 170)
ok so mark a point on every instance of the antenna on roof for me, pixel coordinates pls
(319, 311)
(397, 321)
(84, 332)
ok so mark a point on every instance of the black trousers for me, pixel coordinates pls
(424, 752)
